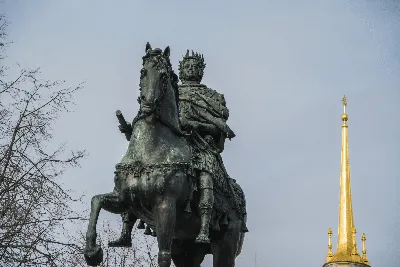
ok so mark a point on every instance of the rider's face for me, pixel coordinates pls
(191, 70)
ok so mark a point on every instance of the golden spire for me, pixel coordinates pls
(347, 246)
(345, 242)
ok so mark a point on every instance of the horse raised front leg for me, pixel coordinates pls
(111, 202)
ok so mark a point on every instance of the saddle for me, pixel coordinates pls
(228, 195)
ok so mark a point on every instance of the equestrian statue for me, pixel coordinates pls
(172, 179)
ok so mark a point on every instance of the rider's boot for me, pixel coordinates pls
(203, 236)
(125, 240)
(205, 207)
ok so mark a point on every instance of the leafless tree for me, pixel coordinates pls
(3, 40)
(34, 207)
(143, 252)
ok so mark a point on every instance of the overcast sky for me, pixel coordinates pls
(283, 67)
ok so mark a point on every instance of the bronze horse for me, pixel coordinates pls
(154, 180)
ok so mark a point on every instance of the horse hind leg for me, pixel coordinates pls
(111, 202)
(226, 248)
(125, 239)
(187, 253)
(183, 260)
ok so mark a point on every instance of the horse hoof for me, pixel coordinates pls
(94, 256)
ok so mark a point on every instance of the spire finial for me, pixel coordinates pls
(364, 249)
(330, 253)
(344, 116)
(344, 101)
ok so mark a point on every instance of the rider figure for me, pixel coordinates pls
(203, 112)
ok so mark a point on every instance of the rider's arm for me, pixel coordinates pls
(207, 128)
(200, 127)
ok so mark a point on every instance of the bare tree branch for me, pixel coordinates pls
(34, 206)
(143, 252)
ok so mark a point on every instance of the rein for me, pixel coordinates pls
(156, 110)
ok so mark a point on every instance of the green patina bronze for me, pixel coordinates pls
(172, 179)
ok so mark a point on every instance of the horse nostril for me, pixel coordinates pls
(143, 97)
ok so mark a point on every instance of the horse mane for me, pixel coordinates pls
(174, 83)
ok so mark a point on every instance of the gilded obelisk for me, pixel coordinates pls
(346, 254)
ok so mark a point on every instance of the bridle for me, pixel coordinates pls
(156, 109)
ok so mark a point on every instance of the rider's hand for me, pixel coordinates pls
(123, 129)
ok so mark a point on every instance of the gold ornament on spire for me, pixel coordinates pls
(344, 101)
(354, 252)
(344, 116)
(347, 246)
(364, 250)
(330, 253)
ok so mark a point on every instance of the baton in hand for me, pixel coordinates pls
(123, 123)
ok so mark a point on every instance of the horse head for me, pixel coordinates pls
(158, 85)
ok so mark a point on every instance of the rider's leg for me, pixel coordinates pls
(205, 206)
(125, 240)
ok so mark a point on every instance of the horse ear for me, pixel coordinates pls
(167, 51)
(148, 46)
